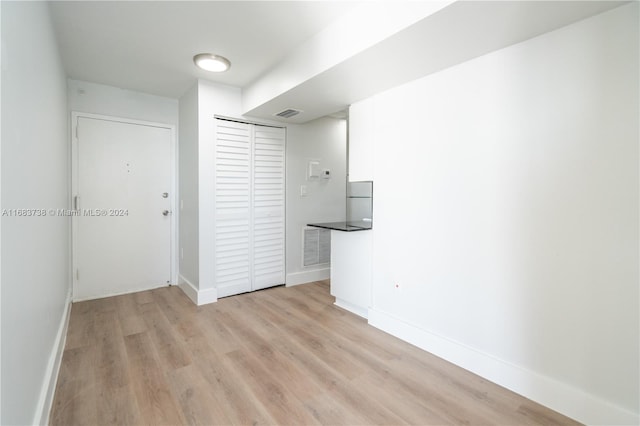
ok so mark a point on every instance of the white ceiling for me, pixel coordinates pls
(149, 46)
(318, 56)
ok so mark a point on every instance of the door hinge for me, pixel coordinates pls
(77, 274)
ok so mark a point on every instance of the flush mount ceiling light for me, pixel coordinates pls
(211, 62)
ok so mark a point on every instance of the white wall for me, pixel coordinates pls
(188, 188)
(108, 100)
(506, 209)
(36, 279)
(361, 137)
(213, 99)
(322, 140)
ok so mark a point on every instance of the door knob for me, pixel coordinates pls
(165, 213)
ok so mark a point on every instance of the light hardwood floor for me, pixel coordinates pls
(278, 356)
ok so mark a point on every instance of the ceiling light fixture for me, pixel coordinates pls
(211, 62)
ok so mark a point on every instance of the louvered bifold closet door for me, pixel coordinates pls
(268, 206)
(233, 182)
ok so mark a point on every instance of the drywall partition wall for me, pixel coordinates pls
(188, 203)
(506, 216)
(213, 99)
(361, 140)
(198, 109)
(36, 279)
(198, 106)
(323, 140)
(102, 99)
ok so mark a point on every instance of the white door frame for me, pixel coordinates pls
(75, 115)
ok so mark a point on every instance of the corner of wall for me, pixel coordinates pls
(188, 202)
(324, 140)
(198, 297)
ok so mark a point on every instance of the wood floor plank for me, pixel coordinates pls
(195, 397)
(341, 402)
(535, 414)
(319, 367)
(155, 401)
(241, 407)
(330, 353)
(275, 362)
(81, 330)
(77, 403)
(75, 399)
(165, 338)
(279, 401)
(174, 304)
(117, 406)
(357, 356)
(277, 356)
(318, 290)
(143, 297)
(111, 359)
(130, 315)
(132, 324)
(403, 404)
(327, 411)
(222, 340)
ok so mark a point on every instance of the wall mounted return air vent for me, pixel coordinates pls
(288, 113)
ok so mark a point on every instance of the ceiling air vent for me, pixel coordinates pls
(288, 113)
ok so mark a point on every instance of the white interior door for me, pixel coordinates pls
(268, 207)
(250, 207)
(123, 223)
(233, 239)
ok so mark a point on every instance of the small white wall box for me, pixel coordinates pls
(326, 174)
(314, 169)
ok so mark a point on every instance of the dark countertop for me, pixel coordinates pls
(344, 226)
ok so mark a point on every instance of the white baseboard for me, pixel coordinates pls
(304, 277)
(47, 392)
(362, 312)
(199, 297)
(187, 288)
(558, 396)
